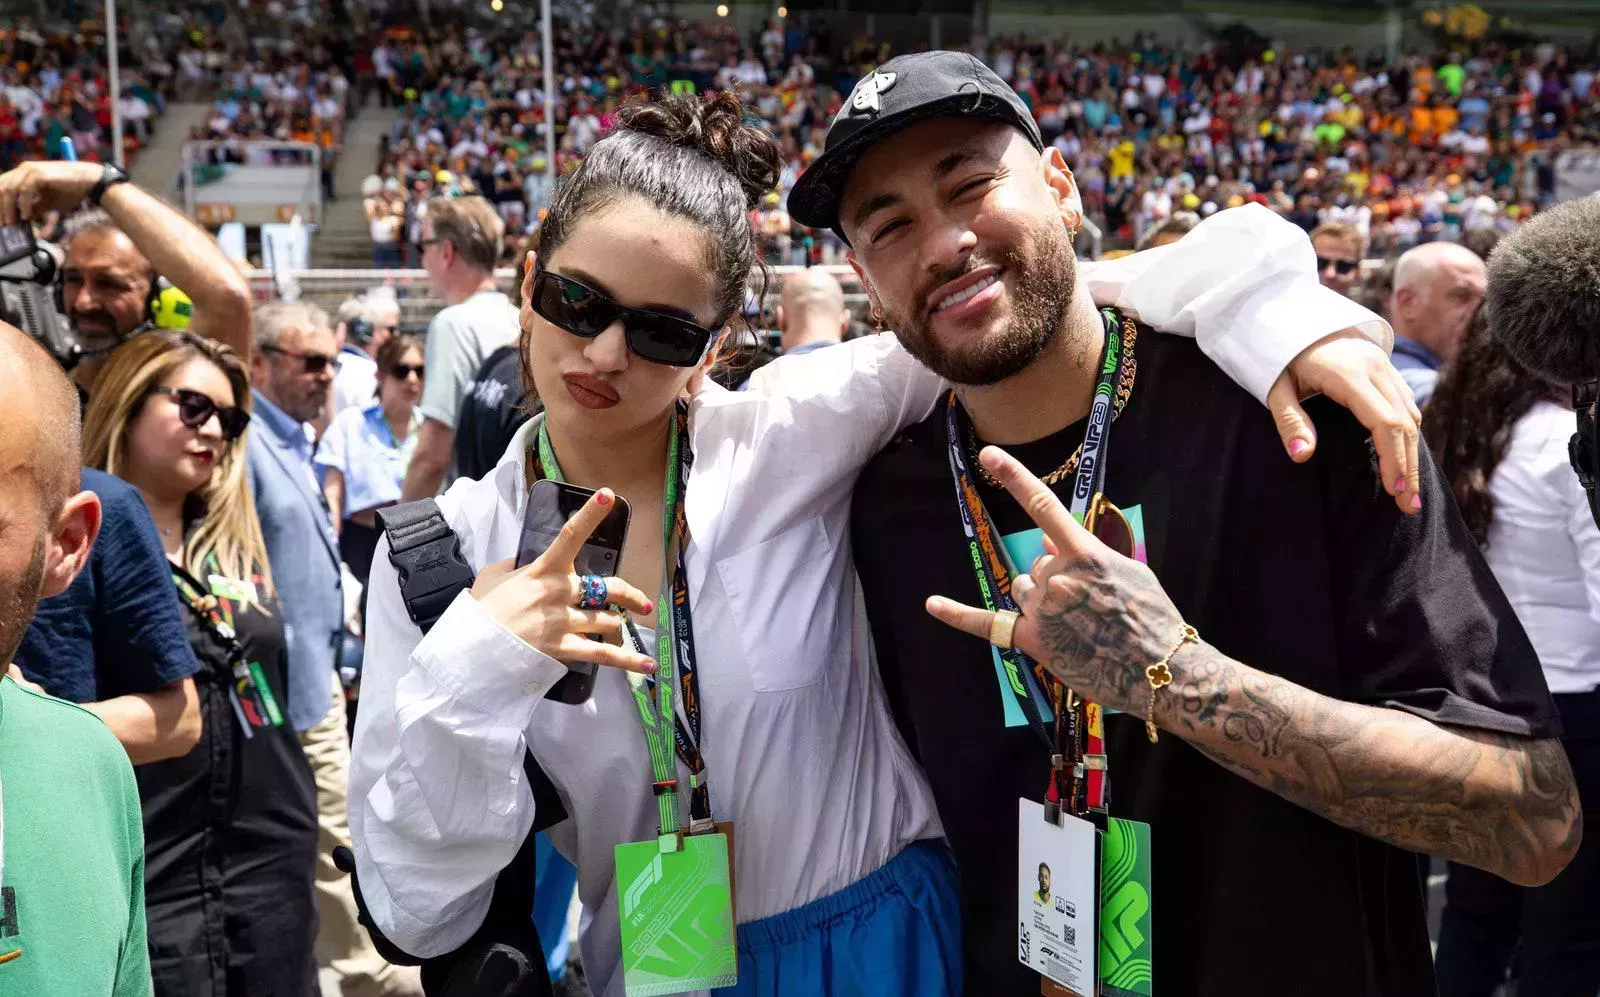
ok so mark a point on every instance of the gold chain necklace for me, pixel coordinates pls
(1130, 367)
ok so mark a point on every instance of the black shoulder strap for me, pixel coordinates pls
(503, 958)
(427, 554)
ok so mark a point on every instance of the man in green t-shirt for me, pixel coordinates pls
(71, 840)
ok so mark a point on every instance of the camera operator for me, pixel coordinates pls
(114, 641)
(116, 257)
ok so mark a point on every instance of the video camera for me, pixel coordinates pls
(28, 274)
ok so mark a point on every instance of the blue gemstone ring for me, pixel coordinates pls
(592, 592)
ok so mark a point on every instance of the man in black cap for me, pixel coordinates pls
(1311, 676)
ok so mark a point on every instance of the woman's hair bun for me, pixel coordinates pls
(715, 126)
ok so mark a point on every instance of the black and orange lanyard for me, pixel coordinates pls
(1078, 781)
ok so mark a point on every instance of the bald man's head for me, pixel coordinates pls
(47, 526)
(811, 309)
(1437, 289)
(40, 425)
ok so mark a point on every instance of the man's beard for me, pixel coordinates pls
(96, 331)
(17, 605)
(1041, 280)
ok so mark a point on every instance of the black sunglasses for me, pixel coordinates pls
(315, 363)
(581, 310)
(1341, 267)
(196, 409)
(401, 371)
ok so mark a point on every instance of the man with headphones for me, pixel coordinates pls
(118, 256)
(114, 641)
(365, 323)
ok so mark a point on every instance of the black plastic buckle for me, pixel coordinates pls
(426, 553)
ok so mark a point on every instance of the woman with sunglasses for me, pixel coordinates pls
(736, 576)
(230, 828)
(365, 451)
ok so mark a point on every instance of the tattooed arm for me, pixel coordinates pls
(1097, 620)
(1502, 803)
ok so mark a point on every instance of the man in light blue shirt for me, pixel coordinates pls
(1437, 288)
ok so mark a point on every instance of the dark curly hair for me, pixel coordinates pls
(1470, 419)
(695, 157)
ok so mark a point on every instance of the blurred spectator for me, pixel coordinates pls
(461, 244)
(811, 313)
(363, 455)
(1339, 248)
(290, 374)
(1169, 231)
(1437, 289)
(363, 324)
(1375, 291)
(385, 210)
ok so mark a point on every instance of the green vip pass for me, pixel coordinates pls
(1125, 949)
(676, 908)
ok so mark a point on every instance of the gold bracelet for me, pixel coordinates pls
(1159, 675)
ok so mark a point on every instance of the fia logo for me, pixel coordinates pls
(1024, 942)
(864, 100)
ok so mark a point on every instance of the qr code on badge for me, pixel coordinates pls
(1072, 935)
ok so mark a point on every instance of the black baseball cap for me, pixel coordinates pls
(901, 92)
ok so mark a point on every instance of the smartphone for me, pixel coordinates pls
(550, 505)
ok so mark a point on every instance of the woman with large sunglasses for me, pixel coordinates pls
(231, 827)
(736, 577)
(365, 452)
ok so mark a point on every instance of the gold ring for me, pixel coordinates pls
(1001, 625)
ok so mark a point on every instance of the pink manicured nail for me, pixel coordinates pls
(1416, 503)
(1298, 447)
(603, 497)
(1400, 483)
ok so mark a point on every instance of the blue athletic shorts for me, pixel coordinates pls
(895, 933)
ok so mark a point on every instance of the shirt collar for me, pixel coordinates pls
(1417, 352)
(284, 426)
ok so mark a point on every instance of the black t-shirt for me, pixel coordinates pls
(1308, 572)
(493, 408)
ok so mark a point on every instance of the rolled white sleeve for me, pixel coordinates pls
(439, 802)
(1244, 283)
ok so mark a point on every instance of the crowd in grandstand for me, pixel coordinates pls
(1426, 148)
(54, 87)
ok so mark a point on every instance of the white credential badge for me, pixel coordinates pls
(865, 97)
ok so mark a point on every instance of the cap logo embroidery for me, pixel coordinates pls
(865, 98)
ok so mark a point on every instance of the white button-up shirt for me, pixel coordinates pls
(801, 752)
(1544, 548)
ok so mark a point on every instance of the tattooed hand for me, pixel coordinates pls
(1094, 618)
(1097, 620)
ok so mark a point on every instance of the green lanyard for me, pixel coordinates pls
(674, 650)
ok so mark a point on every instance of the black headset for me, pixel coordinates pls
(359, 331)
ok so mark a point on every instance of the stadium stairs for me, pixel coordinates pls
(342, 241)
(154, 166)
